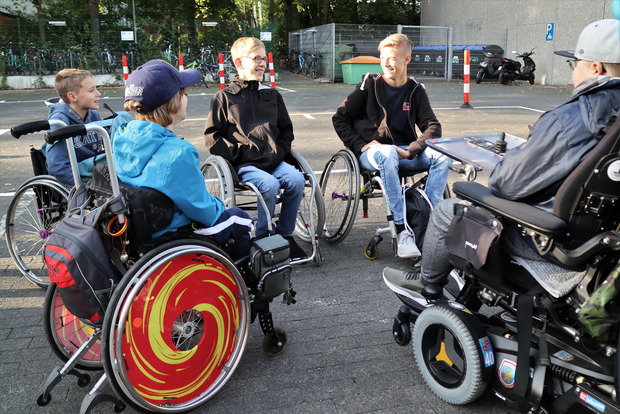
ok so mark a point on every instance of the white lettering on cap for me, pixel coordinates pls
(133, 90)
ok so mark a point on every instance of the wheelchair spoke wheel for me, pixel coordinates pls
(176, 327)
(33, 213)
(340, 187)
(447, 356)
(66, 333)
(218, 178)
(311, 213)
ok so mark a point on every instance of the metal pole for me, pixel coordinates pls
(135, 32)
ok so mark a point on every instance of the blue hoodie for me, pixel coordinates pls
(148, 155)
(87, 147)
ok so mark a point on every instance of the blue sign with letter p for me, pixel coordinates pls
(549, 35)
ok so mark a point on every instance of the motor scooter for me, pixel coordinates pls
(511, 69)
(491, 67)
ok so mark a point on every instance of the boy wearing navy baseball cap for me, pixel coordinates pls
(148, 154)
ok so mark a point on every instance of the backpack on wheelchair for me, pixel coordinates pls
(176, 323)
(537, 352)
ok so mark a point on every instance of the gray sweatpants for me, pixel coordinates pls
(435, 257)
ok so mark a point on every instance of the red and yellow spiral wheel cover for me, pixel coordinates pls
(156, 369)
(72, 333)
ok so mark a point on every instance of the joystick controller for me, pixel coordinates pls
(500, 144)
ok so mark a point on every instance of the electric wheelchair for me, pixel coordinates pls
(38, 204)
(222, 180)
(344, 184)
(538, 353)
(176, 323)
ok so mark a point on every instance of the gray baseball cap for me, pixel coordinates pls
(598, 42)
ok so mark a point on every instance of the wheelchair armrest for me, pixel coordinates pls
(522, 213)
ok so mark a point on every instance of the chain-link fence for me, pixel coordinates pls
(39, 47)
(334, 43)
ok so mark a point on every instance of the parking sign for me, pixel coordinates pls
(549, 35)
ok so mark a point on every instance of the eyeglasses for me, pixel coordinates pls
(258, 59)
(572, 63)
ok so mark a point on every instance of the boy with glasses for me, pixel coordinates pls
(533, 172)
(249, 126)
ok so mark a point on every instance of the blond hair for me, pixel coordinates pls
(244, 46)
(70, 80)
(161, 115)
(397, 41)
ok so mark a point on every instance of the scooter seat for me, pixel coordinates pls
(524, 214)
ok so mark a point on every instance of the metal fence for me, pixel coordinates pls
(431, 54)
(38, 47)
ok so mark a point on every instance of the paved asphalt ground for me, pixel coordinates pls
(341, 357)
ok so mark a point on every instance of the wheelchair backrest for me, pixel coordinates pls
(149, 211)
(38, 162)
(589, 199)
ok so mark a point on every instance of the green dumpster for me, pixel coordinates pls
(353, 70)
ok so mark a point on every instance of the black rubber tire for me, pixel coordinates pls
(479, 76)
(438, 332)
(272, 348)
(531, 78)
(401, 332)
(503, 78)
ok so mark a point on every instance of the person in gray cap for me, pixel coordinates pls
(559, 141)
(148, 154)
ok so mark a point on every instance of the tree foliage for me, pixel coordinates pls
(178, 23)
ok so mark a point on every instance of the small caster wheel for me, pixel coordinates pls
(84, 381)
(42, 401)
(273, 347)
(119, 407)
(371, 252)
(401, 332)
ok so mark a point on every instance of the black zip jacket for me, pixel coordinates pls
(361, 118)
(248, 124)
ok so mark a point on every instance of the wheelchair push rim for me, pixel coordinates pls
(33, 213)
(340, 187)
(176, 327)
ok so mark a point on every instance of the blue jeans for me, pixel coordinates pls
(437, 165)
(284, 176)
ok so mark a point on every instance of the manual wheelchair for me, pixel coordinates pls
(176, 324)
(38, 204)
(344, 184)
(222, 180)
(537, 352)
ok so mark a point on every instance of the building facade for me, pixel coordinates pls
(520, 25)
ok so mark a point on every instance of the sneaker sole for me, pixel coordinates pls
(409, 256)
(416, 297)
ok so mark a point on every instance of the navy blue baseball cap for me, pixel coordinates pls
(156, 82)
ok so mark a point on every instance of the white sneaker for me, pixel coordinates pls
(407, 248)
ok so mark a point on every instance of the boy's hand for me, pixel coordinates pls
(228, 200)
(403, 154)
(370, 144)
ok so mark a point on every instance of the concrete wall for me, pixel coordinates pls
(519, 25)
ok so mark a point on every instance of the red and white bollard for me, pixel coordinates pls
(222, 80)
(272, 75)
(180, 61)
(125, 69)
(466, 81)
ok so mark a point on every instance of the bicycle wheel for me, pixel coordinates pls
(340, 185)
(33, 213)
(311, 208)
(66, 333)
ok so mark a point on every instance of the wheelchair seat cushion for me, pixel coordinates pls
(522, 213)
